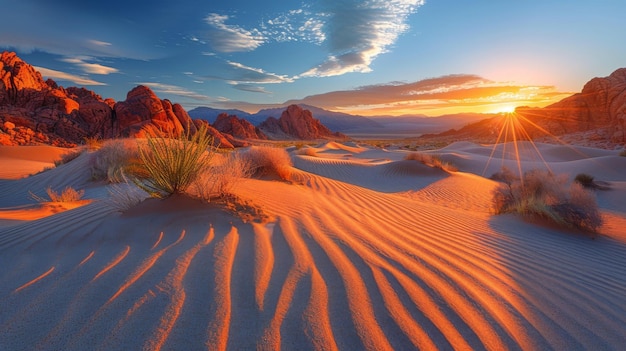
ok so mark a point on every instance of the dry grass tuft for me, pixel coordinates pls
(430, 160)
(541, 194)
(93, 143)
(219, 179)
(69, 194)
(267, 160)
(112, 159)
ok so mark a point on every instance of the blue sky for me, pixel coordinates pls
(369, 57)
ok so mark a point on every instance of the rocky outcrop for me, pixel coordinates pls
(237, 127)
(298, 123)
(601, 106)
(36, 111)
(143, 110)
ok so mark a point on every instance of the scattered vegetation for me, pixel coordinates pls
(69, 194)
(113, 159)
(171, 165)
(541, 194)
(268, 160)
(431, 161)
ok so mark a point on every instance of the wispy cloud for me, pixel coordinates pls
(453, 92)
(357, 32)
(251, 88)
(93, 68)
(247, 74)
(231, 38)
(176, 90)
(58, 75)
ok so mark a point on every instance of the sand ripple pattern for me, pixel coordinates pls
(341, 267)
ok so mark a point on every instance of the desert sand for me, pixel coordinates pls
(362, 251)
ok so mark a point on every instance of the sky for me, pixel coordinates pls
(373, 57)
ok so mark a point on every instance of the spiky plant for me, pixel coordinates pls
(171, 164)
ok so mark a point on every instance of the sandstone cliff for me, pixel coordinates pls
(599, 107)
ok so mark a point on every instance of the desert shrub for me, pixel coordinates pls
(431, 161)
(267, 160)
(221, 177)
(623, 153)
(541, 194)
(69, 194)
(585, 180)
(110, 161)
(68, 157)
(172, 164)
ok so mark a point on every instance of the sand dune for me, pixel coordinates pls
(365, 251)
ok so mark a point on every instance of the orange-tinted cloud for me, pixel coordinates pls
(433, 96)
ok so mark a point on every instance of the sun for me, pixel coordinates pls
(505, 108)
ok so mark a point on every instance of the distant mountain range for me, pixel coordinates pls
(355, 124)
(334, 120)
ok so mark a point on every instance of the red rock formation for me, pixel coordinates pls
(237, 127)
(297, 123)
(601, 105)
(36, 111)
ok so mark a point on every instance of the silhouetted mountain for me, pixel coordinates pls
(210, 114)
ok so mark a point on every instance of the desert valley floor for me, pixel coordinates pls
(363, 250)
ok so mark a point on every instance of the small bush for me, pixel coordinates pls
(623, 153)
(585, 180)
(430, 160)
(267, 160)
(110, 161)
(544, 195)
(171, 165)
(69, 194)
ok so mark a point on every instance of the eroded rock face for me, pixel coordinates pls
(296, 122)
(600, 105)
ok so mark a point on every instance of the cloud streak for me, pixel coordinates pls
(231, 38)
(177, 91)
(58, 75)
(92, 68)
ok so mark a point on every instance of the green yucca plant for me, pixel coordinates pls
(171, 165)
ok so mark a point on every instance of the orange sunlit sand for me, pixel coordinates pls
(362, 249)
